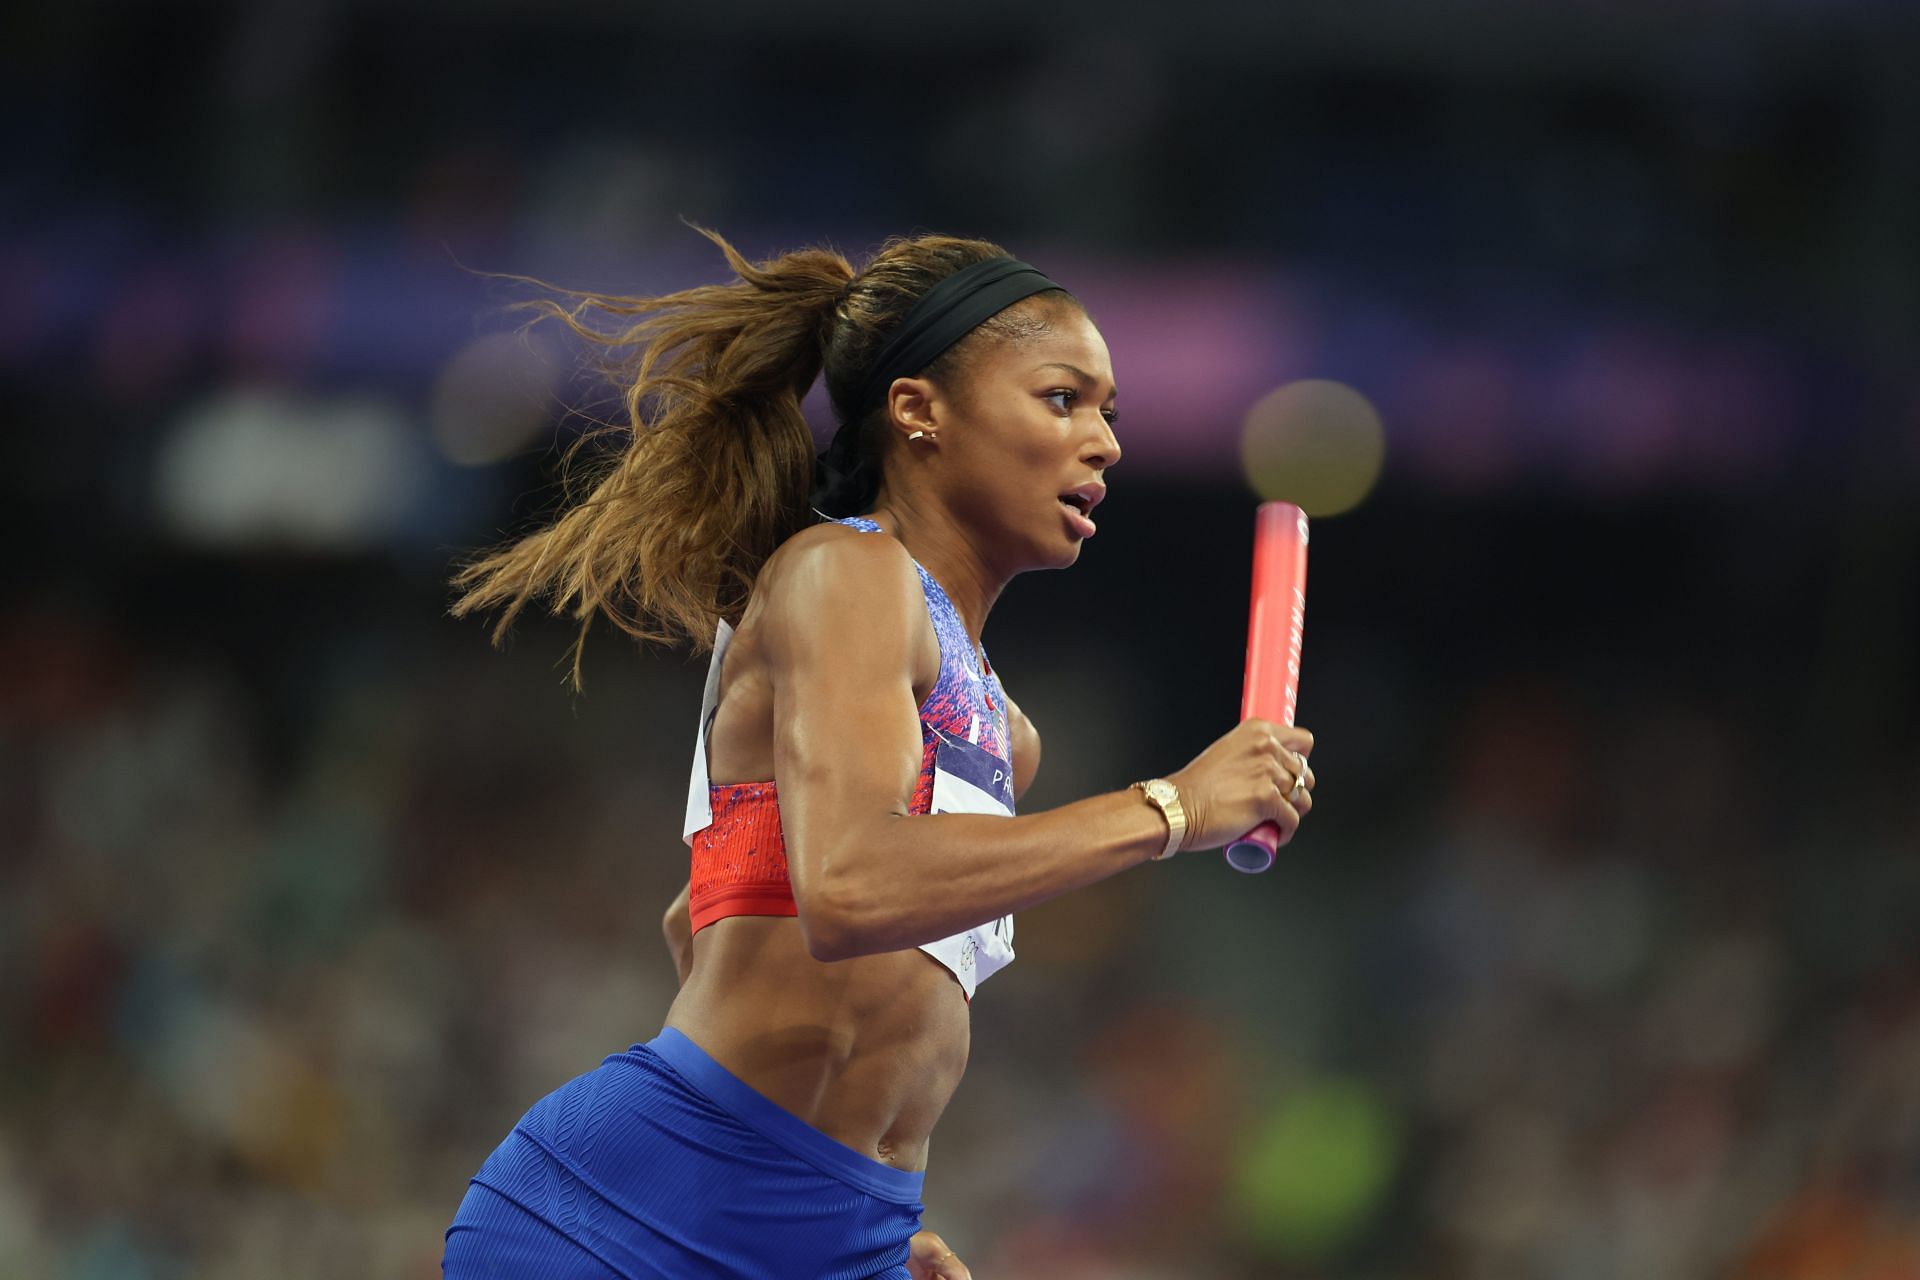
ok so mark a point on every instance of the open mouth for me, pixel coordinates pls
(1076, 507)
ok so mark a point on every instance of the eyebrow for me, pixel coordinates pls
(1079, 373)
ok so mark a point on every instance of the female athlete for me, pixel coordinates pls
(855, 858)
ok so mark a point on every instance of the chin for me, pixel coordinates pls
(1067, 557)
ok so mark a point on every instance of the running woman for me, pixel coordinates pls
(855, 858)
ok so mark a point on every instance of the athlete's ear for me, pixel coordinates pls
(911, 405)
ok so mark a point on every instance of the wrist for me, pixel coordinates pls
(1164, 795)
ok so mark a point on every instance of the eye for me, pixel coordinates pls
(1111, 415)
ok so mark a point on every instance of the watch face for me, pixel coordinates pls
(1162, 790)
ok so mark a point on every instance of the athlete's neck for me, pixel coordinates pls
(936, 541)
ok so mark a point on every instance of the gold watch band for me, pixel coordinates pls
(1169, 806)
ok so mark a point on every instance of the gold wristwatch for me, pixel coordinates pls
(1165, 797)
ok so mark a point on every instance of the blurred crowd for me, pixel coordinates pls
(291, 947)
(1598, 958)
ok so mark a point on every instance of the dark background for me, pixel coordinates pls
(1597, 957)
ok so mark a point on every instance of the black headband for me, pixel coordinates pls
(945, 314)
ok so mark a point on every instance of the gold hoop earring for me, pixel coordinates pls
(917, 434)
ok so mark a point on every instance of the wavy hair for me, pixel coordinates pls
(713, 466)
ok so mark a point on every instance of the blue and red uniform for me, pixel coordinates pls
(662, 1163)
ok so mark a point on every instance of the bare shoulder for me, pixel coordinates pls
(829, 579)
(810, 542)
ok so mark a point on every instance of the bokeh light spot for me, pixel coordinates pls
(1314, 443)
(1314, 1168)
(493, 398)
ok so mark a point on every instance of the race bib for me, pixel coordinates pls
(971, 779)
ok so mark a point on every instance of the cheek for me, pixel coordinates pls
(1013, 430)
(1025, 446)
(1035, 430)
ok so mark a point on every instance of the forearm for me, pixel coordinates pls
(919, 878)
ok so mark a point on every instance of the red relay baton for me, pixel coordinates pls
(1274, 629)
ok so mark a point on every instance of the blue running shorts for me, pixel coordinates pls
(662, 1163)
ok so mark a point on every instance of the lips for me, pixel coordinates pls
(1079, 502)
(1076, 520)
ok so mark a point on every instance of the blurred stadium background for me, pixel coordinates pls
(1599, 957)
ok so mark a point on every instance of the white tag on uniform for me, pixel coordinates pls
(699, 802)
(971, 779)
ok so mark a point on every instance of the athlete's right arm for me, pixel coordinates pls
(845, 619)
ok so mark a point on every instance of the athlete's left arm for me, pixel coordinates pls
(1025, 747)
(677, 927)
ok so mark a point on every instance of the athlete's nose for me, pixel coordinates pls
(1109, 448)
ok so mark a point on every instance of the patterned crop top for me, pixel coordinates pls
(739, 853)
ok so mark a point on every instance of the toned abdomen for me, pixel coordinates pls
(868, 1050)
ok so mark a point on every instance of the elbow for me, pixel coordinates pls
(825, 945)
(845, 897)
(831, 922)
(829, 935)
